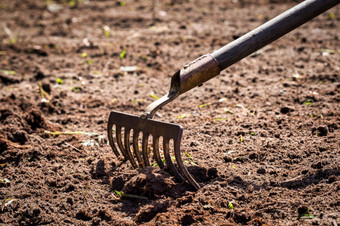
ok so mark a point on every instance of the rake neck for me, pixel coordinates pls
(154, 106)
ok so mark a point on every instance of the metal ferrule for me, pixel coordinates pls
(191, 75)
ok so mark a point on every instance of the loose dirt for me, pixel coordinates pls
(263, 136)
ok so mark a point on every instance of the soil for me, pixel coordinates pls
(263, 136)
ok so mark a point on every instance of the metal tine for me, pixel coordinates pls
(136, 148)
(156, 151)
(110, 136)
(127, 147)
(181, 166)
(145, 149)
(169, 162)
(119, 141)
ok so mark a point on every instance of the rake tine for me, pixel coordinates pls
(127, 147)
(169, 162)
(182, 168)
(156, 152)
(145, 149)
(119, 141)
(136, 148)
(110, 136)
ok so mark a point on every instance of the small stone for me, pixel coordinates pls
(227, 159)
(320, 131)
(253, 155)
(212, 173)
(303, 210)
(70, 201)
(285, 110)
(261, 171)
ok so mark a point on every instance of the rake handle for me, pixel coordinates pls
(210, 65)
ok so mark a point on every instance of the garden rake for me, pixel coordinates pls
(192, 75)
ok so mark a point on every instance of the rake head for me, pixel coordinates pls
(122, 125)
(143, 127)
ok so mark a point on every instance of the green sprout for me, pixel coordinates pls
(72, 3)
(10, 34)
(122, 54)
(8, 72)
(221, 119)
(306, 216)
(204, 105)
(183, 116)
(57, 133)
(76, 89)
(308, 102)
(84, 55)
(121, 194)
(107, 31)
(154, 96)
(230, 206)
(59, 81)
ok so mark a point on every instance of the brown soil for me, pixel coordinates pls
(271, 148)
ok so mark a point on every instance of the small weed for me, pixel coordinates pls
(107, 31)
(57, 133)
(221, 119)
(204, 105)
(187, 154)
(122, 54)
(228, 111)
(72, 3)
(5, 72)
(308, 102)
(76, 89)
(306, 216)
(183, 116)
(13, 38)
(136, 101)
(154, 96)
(230, 206)
(121, 194)
(59, 81)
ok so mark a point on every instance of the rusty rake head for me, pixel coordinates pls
(191, 75)
(122, 125)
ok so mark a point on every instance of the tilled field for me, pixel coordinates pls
(262, 138)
